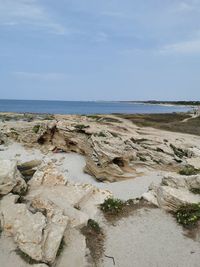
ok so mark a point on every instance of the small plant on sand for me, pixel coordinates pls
(189, 170)
(112, 205)
(188, 215)
(81, 127)
(36, 128)
(179, 152)
(94, 240)
(94, 225)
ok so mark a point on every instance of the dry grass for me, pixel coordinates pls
(171, 122)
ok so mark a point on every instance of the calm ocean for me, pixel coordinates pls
(81, 107)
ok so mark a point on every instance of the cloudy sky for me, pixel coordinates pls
(100, 50)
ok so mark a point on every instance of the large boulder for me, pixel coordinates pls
(10, 178)
(174, 191)
(38, 233)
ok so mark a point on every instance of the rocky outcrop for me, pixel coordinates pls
(174, 191)
(36, 235)
(10, 178)
(114, 148)
(51, 208)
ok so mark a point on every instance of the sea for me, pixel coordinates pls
(85, 107)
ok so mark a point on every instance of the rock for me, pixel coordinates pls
(78, 202)
(10, 178)
(27, 169)
(25, 227)
(115, 148)
(36, 235)
(174, 191)
(56, 225)
(47, 175)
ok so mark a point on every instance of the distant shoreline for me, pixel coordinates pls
(166, 103)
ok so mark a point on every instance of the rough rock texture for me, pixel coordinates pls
(174, 191)
(115, 149)
(10, 178)
(36, 235)
(47, 175)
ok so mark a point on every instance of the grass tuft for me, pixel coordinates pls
(188, 215)
(112, 205)
(189, 170)
(36, 128)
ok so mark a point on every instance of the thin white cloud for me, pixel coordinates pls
(30, 12)
(36, 76)
(187, 47)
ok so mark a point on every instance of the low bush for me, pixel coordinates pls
(189, 170)
(112, 205)
(94, 225)
(188, 215)
(36, 128)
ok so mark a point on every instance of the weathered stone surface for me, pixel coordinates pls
(10, 178)
(56, 225)
(25, 227)
(174, 191)
(115, 149)
(36, 235)
(47, 175)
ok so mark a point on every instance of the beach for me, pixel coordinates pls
(76, 163)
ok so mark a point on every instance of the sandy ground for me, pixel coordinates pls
(147, 238)
(72, 165)
(150, 239)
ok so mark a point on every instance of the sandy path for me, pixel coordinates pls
(150, 239)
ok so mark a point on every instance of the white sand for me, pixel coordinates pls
(145, 239)
(150, 239)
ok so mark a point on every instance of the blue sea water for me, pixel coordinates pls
(83, 107)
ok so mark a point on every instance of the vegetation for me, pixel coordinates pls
(94, 240)
(112, 205)
(179, 152)
(81, 127)
(36, 128)
(189, 170)
(94, 225)
(188, 215)
(171, 122)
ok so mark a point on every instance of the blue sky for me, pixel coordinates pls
(100, 50)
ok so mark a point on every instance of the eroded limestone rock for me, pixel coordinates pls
(174, 191)
(10, 178)
(36, 235)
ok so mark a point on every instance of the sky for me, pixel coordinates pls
(100, 50)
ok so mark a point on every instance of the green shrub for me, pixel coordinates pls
(81, 127)
(112, 205)
(188, 215)
(36, 128)
(94, 225)
(179, 152)
(189, 170)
